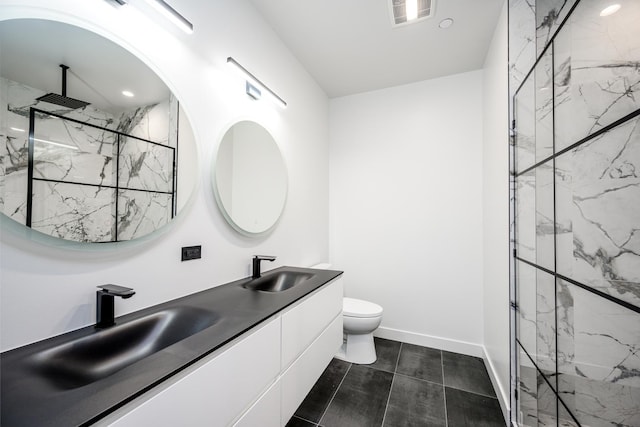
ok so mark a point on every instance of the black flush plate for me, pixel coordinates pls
(191, 252)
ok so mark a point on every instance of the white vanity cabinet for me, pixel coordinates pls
(311, 335)
(214, 391)
(259, 379)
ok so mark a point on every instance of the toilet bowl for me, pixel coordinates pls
(360, 319)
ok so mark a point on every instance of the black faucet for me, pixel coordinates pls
(105, 303)
(256, 264)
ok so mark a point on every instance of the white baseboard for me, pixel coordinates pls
(455, 346)
(446, 344)
(503, 395)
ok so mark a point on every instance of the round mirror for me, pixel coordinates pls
(250, 178)
(94, 139)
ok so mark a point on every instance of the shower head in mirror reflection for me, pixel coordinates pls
(78, 193)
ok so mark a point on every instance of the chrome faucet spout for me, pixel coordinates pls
(105, 304)
(256, 264)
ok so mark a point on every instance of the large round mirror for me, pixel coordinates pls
(250, 178)
(93, 139)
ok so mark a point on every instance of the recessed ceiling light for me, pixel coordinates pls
(610, 10)
(127, 93)
(16, 129)
(446, 23)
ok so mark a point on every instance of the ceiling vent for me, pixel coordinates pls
(409, 11)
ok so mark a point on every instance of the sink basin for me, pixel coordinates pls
(278, 282)
(91, 358)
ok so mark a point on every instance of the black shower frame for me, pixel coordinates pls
(514, 174)
(30, 178)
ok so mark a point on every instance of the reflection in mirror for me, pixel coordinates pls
(250, 178)
(90, 133)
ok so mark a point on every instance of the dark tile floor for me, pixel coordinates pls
(408, 385)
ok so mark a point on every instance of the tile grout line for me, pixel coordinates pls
(334, 395)
(397, 359)
(444, 391)
(474, 392)
(393, 379)
(304, 419)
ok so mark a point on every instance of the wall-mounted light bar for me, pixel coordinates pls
(254, 85)
(253, 91)
(171, 14)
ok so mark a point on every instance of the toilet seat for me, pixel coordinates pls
(352, 307)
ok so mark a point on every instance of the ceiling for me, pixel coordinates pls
(99, 69)
(349, 46)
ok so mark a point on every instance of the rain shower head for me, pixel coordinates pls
(63, 100)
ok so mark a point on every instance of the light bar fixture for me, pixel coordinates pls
(171, 14)
(254, 86)
(253, 91)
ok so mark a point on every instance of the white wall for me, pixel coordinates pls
(406, 207)
(495, 212)
(47, 289)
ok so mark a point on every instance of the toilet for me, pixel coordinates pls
(360, 319)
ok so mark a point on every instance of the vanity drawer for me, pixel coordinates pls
(303, 323)
(215, 392)
(298, 380)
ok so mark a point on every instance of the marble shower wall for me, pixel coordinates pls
(76, 167)
(575, 82)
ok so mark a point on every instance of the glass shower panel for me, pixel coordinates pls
(596, 68)
(598, 358)
(526, 216)
(142, 212)
(145, 165)
(549, 16)
(536, 320)
(598, 200)
(69, 151)
(525, 116)
(536, 402)
(576, 201)
(522, 36)
(543, 75)
(544, 216)
(83, 213)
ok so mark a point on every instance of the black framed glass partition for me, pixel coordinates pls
(88, 183)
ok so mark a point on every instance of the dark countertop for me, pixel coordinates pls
(29, 399)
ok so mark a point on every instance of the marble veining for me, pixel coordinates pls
(599, 358)
(600, 189)
(576, 212)
(145, 166)
(74, 212)
(526, 216)
(525, 120)
(141, 213)
(549, 16)
(522, 41)
(85, 154)
(544, 107)
(597, 67)
(544, 214)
